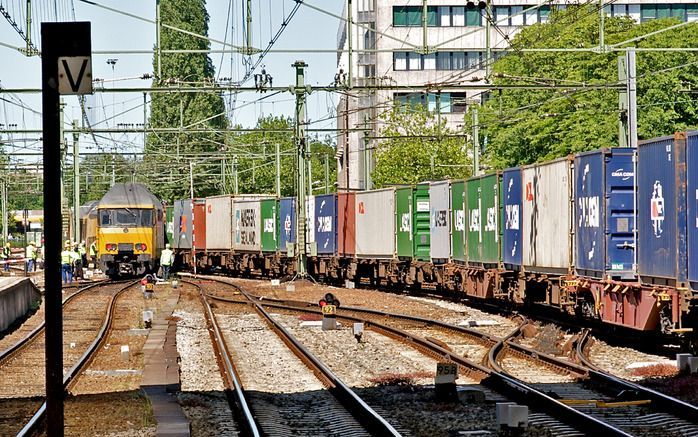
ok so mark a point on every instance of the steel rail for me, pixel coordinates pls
(37, 419)
(668, 404)
(230, 371)
(9, 352)
(495, 379)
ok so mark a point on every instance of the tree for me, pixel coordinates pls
(415, 147)
(195, 109)
(525, 126)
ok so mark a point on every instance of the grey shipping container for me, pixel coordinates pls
(439, 225)
(247, 231)
(181, 226)
(375, 223)
(219, 223)
(547, 216)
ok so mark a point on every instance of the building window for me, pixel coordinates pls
(445, 103)
(684, 12)
(370, 37)
(412, 16)
(437, 16)
(400, 61)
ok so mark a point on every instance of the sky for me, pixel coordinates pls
(119, 33)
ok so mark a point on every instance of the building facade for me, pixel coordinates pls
(394, 43)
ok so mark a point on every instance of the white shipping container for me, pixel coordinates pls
(375, 223)
(310, 219)
(547, 191)
(247, 232)
(439, 227)
(219, 231)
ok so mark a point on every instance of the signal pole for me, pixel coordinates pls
(76, 181)
(302, 155)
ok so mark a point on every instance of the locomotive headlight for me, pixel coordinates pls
(110, 247)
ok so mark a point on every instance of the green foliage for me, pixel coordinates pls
(525, 126)
(200, 110)
(96, 176)
(411, 140)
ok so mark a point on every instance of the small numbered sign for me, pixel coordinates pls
(329, 310)
(149, 286)
(446, 373)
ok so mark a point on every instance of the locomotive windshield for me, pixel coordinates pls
(120, 217)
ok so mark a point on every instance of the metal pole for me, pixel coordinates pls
(602, 44)
(157, 39)
(476, 142)
(488, 48)
(623, 136)
(632, 98)
(368, 184)
(327, 174)
(76, 181)
(350, 20)
(193, 233)
(4, 208)
(425, 42)
(248, 40)
(278, 170)
(145, 119)
(310, 174)
(223, 176)
(301, 143)
(29, 27)
(235, 174)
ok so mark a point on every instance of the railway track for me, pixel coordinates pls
(337, 410)
(87, 317)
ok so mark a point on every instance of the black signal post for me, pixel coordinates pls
(70, 45)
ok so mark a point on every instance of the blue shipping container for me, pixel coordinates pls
(604, 213)
(661, 191)
(287, 222)
(692, 199)
(511, 233)
(326, 224)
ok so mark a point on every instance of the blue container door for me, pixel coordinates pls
(588, 202)
(659, 214)
(287, 222)
(620, 214)
(692, 200)
(511, 233)
(326, 223)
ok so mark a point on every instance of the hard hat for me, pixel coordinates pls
(167, 246)
(67, 242)
(7, 245)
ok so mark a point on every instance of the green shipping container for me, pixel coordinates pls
(421, 221)
(403, 222)
(483, 205)
(169, 223)
(458, 221)
(270, 231)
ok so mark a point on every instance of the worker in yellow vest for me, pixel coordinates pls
(30, 255)
(166, 260)
(6, 254)
(67, 264)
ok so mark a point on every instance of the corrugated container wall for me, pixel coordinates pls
(269, 212)
(547, 219)
(458, 221)
(421, 222)
(219, 223)
(326, 224)
(403, 222)
(247, 232)
(439, 226)
(511, 234)
(346, 224)
(604, 213)
(287, 223)
(199, 224)
(375, 223)
(661, 192)
(483, 220)
(692, 198)
(181, 235)
(169, 224)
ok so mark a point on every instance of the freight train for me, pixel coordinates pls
(609, 235)
(130, 230)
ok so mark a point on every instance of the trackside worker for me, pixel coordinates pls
(166, 259)
(83, 253)
(93, 252)
(66, 264)
(30, 255)
(6, 253)
(76, 261)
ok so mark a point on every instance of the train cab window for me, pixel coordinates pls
(120, 217)
(105, 218)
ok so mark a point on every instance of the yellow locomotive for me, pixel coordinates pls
(130, 231)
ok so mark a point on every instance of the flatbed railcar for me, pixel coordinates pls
(609, 235)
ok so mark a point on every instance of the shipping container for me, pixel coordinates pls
(219, 223)
(547, 216)
(662, 220)
(269, 213)
(483, 205)
(439, 227)
(692, 199)
(247, 229)
(181, 232)
(605, 213)
(458, 221)
(346, 224)
(326, 224)
(169, 224)
(287, 223)
(511, 211)
(403, 222)
(421, 222)
(375, 223)
(198, 226)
